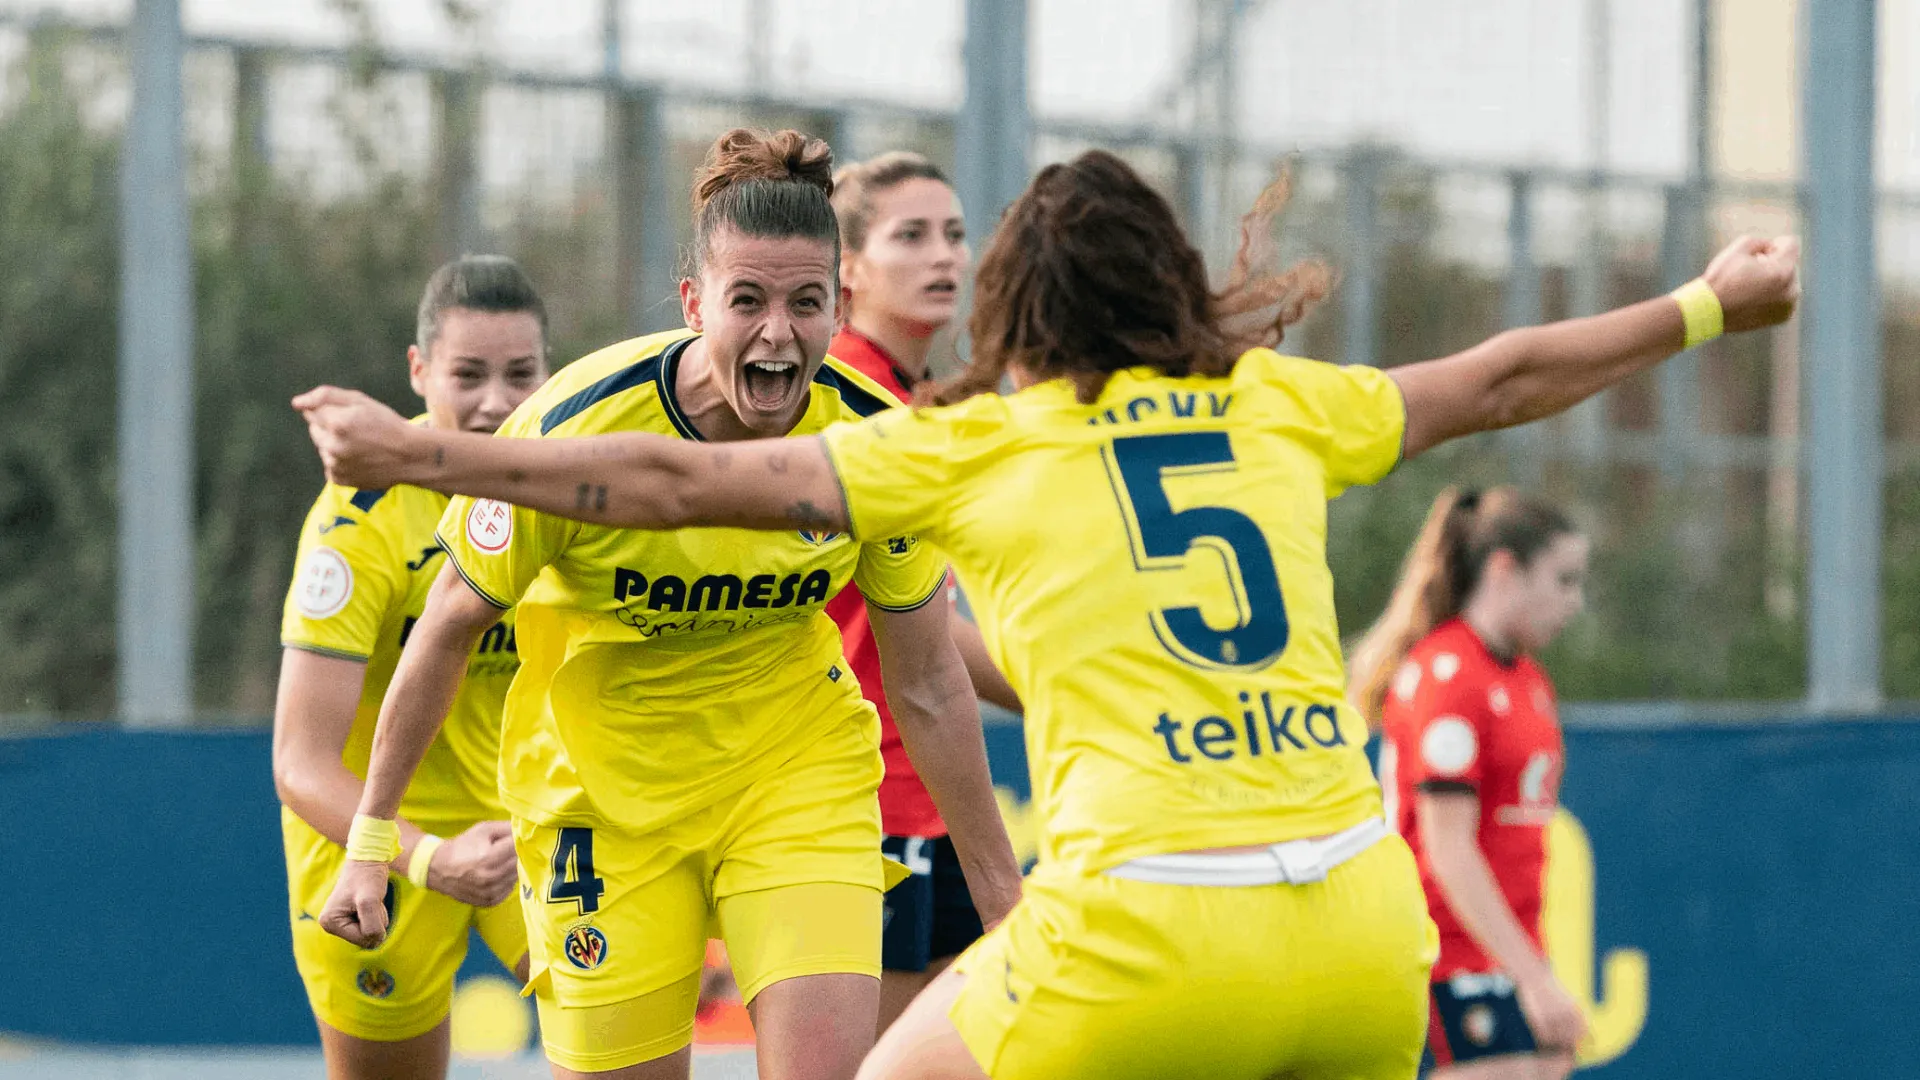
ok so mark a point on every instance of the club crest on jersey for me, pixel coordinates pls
(586, 947)
(819, 539)
(375, 983)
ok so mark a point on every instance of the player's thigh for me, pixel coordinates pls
(349, 1058)
(799, 875)
(616, 930)
(923, 1043)
(1504, 1067)
(399, 991)
(815, 1027)
(898, 989)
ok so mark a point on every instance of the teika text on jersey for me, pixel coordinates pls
(1263, 728)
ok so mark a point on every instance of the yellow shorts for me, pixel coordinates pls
(1113, 978)
(404, 988)
(788, 871)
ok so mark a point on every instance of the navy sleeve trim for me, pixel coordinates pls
(363, 500)
(320, 650)
(917, 604)
(462, 571)
(625, 379)
(857, 397)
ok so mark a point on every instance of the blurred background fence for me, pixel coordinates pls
(329, 169)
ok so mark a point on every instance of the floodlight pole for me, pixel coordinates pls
(155, 408)
(1840, 326)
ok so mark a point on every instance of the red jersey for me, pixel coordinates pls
(1458, 718)
(905, 807)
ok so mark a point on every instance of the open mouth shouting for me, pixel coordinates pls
(771, 385)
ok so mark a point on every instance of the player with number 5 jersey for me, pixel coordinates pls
(1142, 526)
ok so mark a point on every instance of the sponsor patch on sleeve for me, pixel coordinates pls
(325, 584)
(489, 526)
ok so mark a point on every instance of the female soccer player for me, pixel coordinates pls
(1143, 527)
(684, 742)
(1470, 761)
(367, 558)
(903, 246)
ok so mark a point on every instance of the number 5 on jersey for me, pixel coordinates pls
(572, 876)
(1163, 538)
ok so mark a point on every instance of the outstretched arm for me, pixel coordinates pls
(1534, 372)
(631, 480)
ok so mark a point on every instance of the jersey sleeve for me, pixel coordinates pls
(894, 471)
(500, 548)
(345, 577)
(900, 573)
(1447, 732)
(1356, 411)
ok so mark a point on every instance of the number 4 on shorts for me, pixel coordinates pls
(572, 877)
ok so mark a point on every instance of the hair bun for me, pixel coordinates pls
(744, 155)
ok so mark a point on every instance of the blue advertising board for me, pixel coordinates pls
(1732, 900)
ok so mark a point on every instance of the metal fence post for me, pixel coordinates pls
(1841, 328)
(1360, 338)
(155, 410)
(992, 131)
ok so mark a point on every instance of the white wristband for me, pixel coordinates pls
(422, 858)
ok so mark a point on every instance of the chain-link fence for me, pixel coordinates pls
(328, 179)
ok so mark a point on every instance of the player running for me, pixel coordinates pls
(367, 558)
(684, 744)
(1142, 526)
(903, 244)
(1470, 762)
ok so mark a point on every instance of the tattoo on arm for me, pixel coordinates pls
(439, 456)
(805, 513)
(600, 497)
(777, 462)
(581, 496)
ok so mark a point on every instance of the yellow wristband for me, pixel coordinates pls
(421, 858)
(372, 839)
(1700, 308)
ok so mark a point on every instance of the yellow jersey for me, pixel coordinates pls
(1150, 573)
(366, 562)
(662, 671)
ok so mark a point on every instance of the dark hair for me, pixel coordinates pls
(1462, 531)
(855, 186)
(477, 283)
(764, 184)
(1089, 273)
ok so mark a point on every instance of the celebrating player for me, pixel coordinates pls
(1142, 528)
(1470, 760)
(903, 246)
(367, 558)
(684, 743)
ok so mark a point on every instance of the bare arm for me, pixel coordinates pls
(312, 717)
(988, 682)
(1449, 826)
(630, 480)
(423, 688)
(1537, 371)
(940, 725)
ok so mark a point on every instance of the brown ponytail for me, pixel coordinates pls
(763, 184)
(1462, 531)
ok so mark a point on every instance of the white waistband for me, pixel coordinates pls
(1295, 862)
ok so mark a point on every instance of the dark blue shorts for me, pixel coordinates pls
(1474, 1017)
(930, 915)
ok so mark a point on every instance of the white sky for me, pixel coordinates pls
(1493, 81)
